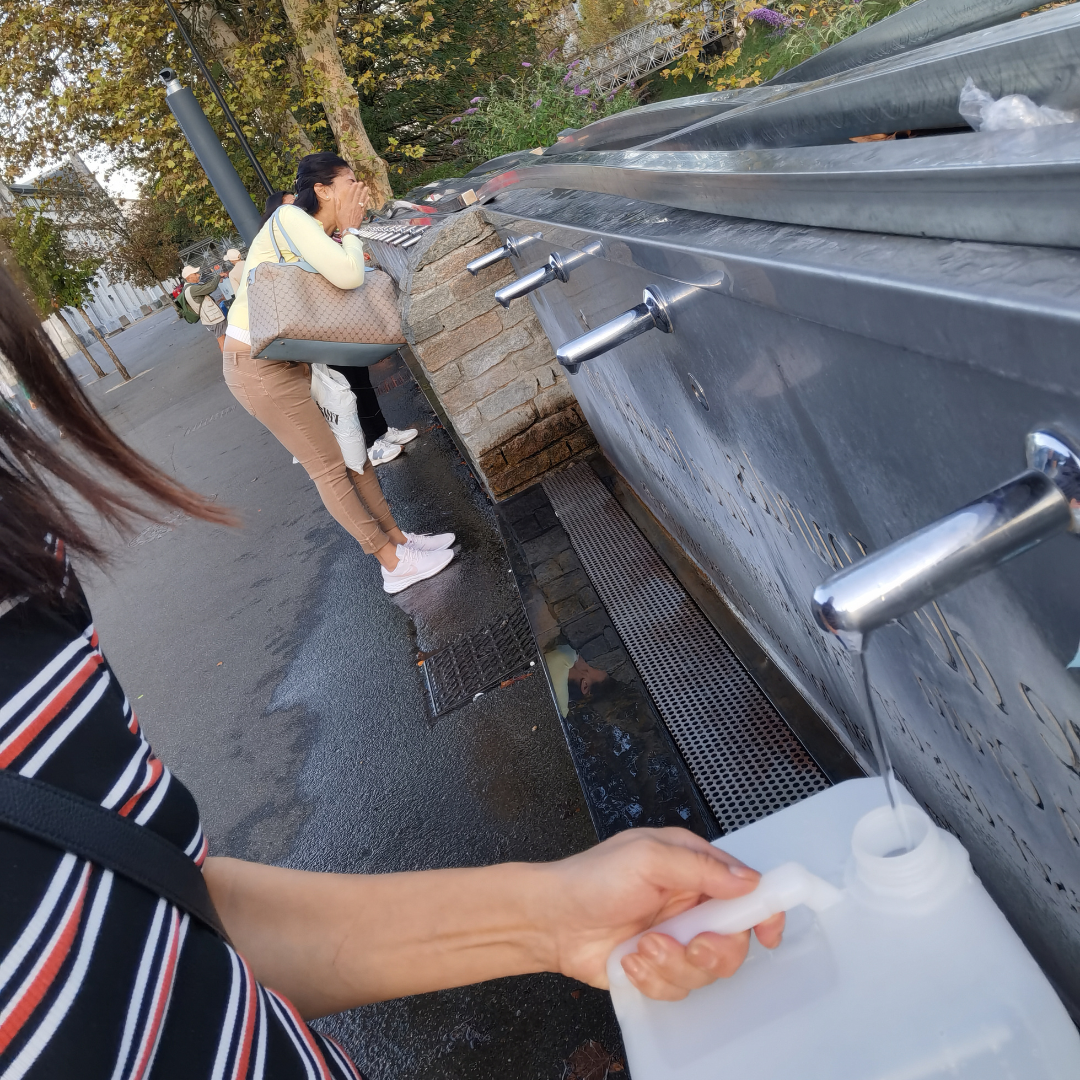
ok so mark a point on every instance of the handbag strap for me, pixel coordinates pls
(84, 828)
(275, 220)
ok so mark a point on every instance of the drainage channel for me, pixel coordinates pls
(743, 757)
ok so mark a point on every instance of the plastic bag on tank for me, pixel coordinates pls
(337, 402)
(983, 113)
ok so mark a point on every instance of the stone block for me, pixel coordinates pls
(445, 379)
(460, 230)
(538, 354)
(517, 313)
(466, 284)
(471, 391)
(494, 434)
(454, 344)
(468, 421)
(492, 351)
(580, 440)
(459, 312)
(554, 398)
(539, 436)
(518, 476)
(425, 326)
(520, 391)
(492, 461)
(546, 376)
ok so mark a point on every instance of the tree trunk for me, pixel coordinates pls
(337, 93)
(105, 345)
(75, 337)
(223, 44)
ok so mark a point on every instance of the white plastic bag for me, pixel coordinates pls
(983, 113)
(337, 403)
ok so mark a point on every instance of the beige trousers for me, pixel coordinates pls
(278, 395)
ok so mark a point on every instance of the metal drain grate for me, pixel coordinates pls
(458, 672)
(742, 755)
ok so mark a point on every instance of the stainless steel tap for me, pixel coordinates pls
(558, 267)
(511, 246)
(911, 572)
(651, 314)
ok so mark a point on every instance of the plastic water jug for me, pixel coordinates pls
(892, 967)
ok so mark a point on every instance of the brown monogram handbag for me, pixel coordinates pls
(292, 302)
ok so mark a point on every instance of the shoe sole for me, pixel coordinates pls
(385, 460)
(400, 586)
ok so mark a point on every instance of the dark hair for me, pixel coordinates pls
(271, 204)
(32, 508)
(314, 169)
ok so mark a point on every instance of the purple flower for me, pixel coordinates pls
(473, 101)
(537, 103)
(581, 91)
(776, 19)
(525, 63)
(457, 142)
(469, 112)
(556, 49)
(567, 77)
(573, 65)
(456, 120)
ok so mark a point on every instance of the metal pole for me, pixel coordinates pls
(211, 154)
(221, 101)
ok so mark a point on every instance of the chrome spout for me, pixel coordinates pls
(525, 285)
(651, 314)
(911, 572)
(512, 246)
(558, 268)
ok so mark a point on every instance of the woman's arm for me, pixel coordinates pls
(341, 264)
(334, 941)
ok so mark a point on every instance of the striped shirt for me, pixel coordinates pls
(100, 978)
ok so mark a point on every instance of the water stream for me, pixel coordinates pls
(877, 740)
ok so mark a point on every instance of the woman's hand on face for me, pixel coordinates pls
(351, 202)
(602, 897)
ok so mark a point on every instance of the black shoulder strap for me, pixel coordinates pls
(72, 823)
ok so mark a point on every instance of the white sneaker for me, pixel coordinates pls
(381, 451)
(429, 541)
(413, 566)
(396, 435)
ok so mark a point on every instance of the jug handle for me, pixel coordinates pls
(785, 887)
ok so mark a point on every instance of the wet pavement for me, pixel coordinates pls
(280, 683)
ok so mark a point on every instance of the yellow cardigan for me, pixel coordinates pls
(341, 264)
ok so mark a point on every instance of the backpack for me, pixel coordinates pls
(190, 315)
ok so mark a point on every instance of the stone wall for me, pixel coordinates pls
(492, 369)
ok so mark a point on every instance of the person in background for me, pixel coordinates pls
(383, 442)
(328, 198)
(237, 271)
(198, 298)
(279, 198)
(100, 976)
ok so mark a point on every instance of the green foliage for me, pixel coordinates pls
(55, 278)
(450, 52)
(764, 52)
(603, 19)
(530, 110)
(406, 180)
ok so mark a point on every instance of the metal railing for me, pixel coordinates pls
(651, 45)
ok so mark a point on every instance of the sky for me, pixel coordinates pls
(124, 183)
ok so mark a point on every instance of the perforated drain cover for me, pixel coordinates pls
(458, 672)
(745, 759)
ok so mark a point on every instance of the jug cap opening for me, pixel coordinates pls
(899, 853)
